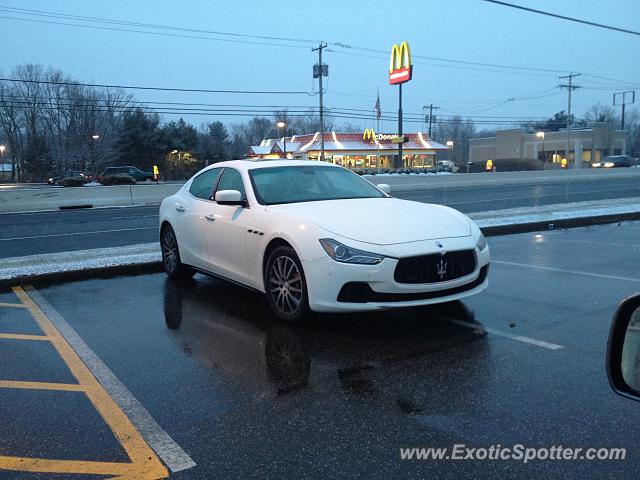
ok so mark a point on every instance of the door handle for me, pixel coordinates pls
(211, 218)
(179, 207)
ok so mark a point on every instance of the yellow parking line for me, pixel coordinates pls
(19, 336)
(26, 464)
(69, 387)
(14, 305)
(144, 462)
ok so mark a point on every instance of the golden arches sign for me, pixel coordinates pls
(369, 134)
(400, 68)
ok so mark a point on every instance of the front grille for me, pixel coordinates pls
(360, 292)
(435, 268)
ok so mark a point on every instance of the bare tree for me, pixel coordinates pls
(459, 131)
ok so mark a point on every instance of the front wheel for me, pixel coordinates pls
(285, 285)
(171, 256)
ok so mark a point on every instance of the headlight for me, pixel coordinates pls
(609, 164)
(482, 242)
(596, 165)
(344, 254)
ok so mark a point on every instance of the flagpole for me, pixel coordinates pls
(378, 106)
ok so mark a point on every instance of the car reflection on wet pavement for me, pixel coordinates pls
(264, 357)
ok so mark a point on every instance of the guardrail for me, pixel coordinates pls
(42, 199)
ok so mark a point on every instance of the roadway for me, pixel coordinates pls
(206, 376)
(59, 231)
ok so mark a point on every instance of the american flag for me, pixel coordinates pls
(377, 107)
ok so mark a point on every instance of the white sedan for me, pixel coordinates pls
(315, 236)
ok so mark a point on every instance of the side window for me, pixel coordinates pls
(203, 184)
(231, 180)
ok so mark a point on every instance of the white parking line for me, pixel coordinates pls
(78, 233)
(573, 272)
(130, 217)
(167, 449)
(500, 333)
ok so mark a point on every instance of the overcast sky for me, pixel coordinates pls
(464, 30)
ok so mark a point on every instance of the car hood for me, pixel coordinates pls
(381, 221)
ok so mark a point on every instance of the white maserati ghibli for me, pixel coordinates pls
(315, 236)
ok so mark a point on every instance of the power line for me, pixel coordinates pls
(450, 60)
(164, 89)
(333, 113)
(26, 11)
(563, 17)
(163, 34)
(163, 107)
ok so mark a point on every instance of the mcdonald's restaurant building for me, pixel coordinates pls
(354, 150)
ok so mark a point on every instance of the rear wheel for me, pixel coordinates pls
(171, 256)
(285, 285)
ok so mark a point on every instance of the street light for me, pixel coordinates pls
(283, 125)
(92, 152)
(544, 159)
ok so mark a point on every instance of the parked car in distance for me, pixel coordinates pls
(446, 166)
(55, 178)
(134, 172)
(615, 161)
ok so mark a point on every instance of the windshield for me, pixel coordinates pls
(297, 184)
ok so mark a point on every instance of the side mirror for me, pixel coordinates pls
(385, 187)
(229, 197)
(623, 349)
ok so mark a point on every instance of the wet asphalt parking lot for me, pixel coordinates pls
(232, 393)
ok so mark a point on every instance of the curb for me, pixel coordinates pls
(492, 231)
(42, 279)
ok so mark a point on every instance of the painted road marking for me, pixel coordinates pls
(500, 333)
(144, 463)
(12, 305)
(20, 336)
(129, 217)
(159, 440)
(573, 272)
(78, 233)
(67, 387)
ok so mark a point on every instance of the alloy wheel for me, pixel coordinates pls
(169, 251)
(285, 285)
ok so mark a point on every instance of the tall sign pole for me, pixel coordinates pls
(400, 71)
(623, 99)
(320, 70)
(400, 162)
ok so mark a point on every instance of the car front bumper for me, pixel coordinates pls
(342, 287)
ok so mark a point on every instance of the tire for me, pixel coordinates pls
(173, 267)
(286, 286)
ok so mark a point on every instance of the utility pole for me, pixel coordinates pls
(431, 109)
(319, 73)
(577, 163)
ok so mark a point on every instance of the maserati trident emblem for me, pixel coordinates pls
(442, 269)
